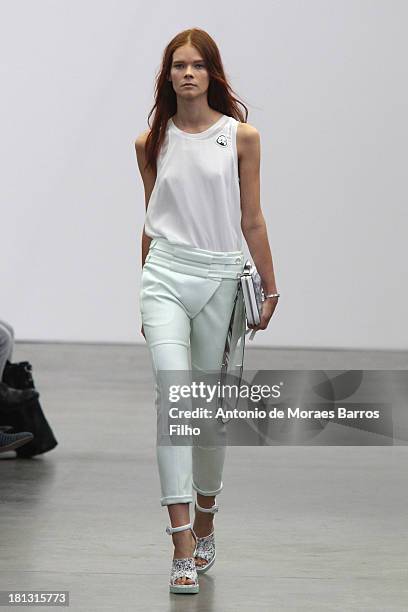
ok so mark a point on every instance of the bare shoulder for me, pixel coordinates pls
(141, 141)
(248, 139)
(147, 174)
(247, 131)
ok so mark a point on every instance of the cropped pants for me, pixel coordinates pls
(186, 299)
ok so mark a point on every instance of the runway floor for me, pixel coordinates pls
(300, 528)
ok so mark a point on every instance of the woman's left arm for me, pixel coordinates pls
(252, 220)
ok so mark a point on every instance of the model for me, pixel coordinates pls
(199, 164)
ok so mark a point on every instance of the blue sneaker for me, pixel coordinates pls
(12, 441)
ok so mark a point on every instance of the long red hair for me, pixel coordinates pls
(219, 92)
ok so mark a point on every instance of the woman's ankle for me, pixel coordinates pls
(203, 524)
(205, 501)
(184, 544)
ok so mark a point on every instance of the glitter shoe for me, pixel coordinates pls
(205, 548)
(183, 567)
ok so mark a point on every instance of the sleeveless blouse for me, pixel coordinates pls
(196, 197)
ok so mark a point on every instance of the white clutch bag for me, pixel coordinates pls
(247, 308)
(253, 294)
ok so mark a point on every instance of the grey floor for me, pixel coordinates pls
(300, 527)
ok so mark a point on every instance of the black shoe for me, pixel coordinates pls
(10, 396)
(12, 441)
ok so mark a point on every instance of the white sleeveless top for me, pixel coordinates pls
(196, 197)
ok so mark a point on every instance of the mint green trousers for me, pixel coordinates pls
(186, 299)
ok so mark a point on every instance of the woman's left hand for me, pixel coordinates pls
(268, 308)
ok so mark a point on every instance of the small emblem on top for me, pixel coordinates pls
(222, 140)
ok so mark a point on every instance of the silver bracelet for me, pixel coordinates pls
(272, 295)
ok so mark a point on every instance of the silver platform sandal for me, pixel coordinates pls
(183, 567)
(205, 548)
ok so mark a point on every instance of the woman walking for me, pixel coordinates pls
(199, 164)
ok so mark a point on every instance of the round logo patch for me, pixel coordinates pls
(222, 140)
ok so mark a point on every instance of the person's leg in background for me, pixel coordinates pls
(6, 344)
(8, 395)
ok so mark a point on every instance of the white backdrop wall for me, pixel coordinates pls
(325, 86)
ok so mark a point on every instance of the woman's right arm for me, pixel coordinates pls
(149, 179)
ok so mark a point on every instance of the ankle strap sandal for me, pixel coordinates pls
(205, 548)
(212, 510)
(183, 567)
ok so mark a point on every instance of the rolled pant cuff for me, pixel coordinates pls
(207, 493)
(176, 499)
